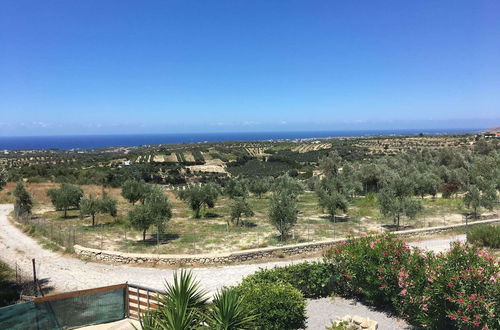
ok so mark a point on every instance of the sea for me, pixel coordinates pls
(67, 142)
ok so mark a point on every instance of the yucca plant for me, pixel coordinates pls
(229, 313)
(181, 307)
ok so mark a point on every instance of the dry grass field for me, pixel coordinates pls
(211, 233)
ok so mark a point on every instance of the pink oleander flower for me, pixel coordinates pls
(372, 245)
(453, 316)
(476, 323)
(450, 285)
(404, 292)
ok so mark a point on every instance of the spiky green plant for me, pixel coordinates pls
(181, 307)
(229, 313)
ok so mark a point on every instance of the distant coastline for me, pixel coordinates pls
(66, 142)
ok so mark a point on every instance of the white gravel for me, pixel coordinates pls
(66, 273)
(321, 313)
(439, 244)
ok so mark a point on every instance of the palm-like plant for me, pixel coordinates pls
(181, 306)
(184, 306)
(229, 313)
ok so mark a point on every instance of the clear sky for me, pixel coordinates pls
(85, 66)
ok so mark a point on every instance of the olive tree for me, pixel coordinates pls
(426, 184)
(283, 211)
(155, 211)
(199, 197)
(91, 206)
(286, 183)
(331, 164)
(332, 202)
(66, 197)
(332, 195)
(236, 188)
(240, 207)
(134, 190)
(476, 198)
(3, 178)
(24, 201)
(396, 200)
(260, 186)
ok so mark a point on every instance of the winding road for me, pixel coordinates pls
(66, 273)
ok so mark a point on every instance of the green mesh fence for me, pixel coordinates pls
(65, 313)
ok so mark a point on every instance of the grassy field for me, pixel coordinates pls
(211, 233)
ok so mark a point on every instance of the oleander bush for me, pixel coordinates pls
(455, 290)
(487, 235)
(461, 291)
(279, 305)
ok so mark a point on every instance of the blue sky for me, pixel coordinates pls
(85, 67)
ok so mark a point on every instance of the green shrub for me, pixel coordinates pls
(279, 305)
(310, 278)
(488, 235)
(456, 290)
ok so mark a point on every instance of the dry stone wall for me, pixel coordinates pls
(239, 256)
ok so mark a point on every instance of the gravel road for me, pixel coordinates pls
(66, 273)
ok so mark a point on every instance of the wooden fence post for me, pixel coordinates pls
(34, 277)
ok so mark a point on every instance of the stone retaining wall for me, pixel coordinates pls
(240, 256)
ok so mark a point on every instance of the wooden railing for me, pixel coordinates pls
(139, 299)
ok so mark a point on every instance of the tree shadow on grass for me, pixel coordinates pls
(211, 215)
(249, 224)
(338, 218)
(152, 239)
(392, 227)
(103, 225)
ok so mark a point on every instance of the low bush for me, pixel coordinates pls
(310, 278)
(279, 305)
(487, 235)
(456, 290)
